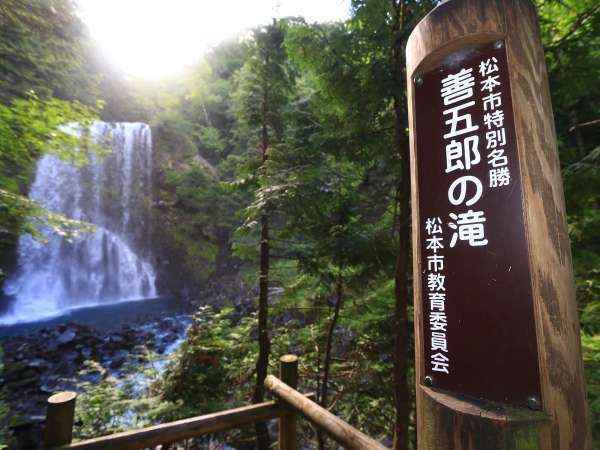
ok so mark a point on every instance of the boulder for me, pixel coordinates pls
(66, 337)
(119, 359)
(38, 364)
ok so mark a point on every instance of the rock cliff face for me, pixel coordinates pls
(191, 239)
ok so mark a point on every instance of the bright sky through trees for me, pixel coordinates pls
(150, 38)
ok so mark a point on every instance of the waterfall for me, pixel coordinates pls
(111, 264)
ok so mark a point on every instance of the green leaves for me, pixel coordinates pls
(325, 94)
(263, 86)
(571, 36)
(108, 404)
(30, 128)
(40, 48)
(21, 213)
(212, 365)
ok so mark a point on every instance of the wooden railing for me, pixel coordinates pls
(61, 409)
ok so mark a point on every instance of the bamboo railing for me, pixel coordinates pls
(61, 408)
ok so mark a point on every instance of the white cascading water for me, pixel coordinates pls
(109, 265)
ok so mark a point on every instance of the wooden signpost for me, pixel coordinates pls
(497, 335)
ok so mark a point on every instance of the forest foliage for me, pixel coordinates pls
(298, 126)
(40, 60)
(330, 184)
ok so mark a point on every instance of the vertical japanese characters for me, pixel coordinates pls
(473, 273)
(436, 295)
(463, 151)
(493, 120)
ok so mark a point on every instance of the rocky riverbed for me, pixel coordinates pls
(49, 361)
(42, 359)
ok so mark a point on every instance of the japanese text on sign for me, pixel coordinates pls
(462, 152)
(474, 292)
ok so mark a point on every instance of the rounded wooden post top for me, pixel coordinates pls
(451, 25)
(288, 359)
(288, 370)
(62, 397)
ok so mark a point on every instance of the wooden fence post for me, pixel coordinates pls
(498, 354)
(60, 413)
(288, 373)
(337, 429)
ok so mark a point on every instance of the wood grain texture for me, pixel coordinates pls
(185, 428)
(450, 26)
(288, 373)
(462, 424)
(60, 412)
(340, 431)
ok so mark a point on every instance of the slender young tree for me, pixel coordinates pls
(402, 221)
(386, 25)
(263, 90)
(363, 59)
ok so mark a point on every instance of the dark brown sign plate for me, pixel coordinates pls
(478, 325)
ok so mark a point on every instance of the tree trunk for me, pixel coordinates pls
(262, 363)
(401, 332)
(328, 347)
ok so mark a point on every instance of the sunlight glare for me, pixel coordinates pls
(153, 38)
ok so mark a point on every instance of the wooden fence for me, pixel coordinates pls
(61, 409)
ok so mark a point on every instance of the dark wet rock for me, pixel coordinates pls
(170, 337)
(159, 347)
(86, 353)
(53, 356)
(51, 346)
(116, 339)
(119, 359)
(26, 381)
(168, 323)
(72, 356)
(51, 360)
(38, 364)
(65, 368)
(129, 335)
(66, 337)
(29, 431)
(14, 370)
(47, 389)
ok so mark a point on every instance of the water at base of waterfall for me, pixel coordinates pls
(111, 264)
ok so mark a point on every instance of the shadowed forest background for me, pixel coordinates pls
(278, 215)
